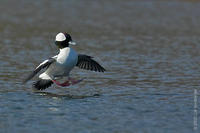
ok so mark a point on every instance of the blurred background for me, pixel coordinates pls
(150, 49)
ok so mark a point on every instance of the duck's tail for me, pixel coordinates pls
(42, 84)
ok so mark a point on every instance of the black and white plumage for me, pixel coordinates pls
(86, 62)
(60, 65)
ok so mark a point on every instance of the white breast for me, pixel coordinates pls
(67, 58)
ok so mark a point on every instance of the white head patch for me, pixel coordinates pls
(60, 37)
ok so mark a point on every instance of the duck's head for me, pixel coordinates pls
(63, 40)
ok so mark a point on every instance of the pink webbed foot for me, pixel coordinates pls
(66, 83)
(73, 81)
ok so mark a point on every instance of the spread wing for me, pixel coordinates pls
(44, 64)
(86, 62)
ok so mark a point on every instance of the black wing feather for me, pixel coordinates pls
(42, 84)
(86, 62)
(43, 65)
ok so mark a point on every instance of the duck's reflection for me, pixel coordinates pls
(68, 96)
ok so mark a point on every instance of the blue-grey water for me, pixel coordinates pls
(150, 49)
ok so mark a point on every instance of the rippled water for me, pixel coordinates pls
(150, 49)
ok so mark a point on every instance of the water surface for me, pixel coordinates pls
(149, 48)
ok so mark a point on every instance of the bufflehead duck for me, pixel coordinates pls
(59, 66)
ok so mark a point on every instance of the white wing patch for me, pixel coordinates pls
(42, 63)
(54, 57)
(45, 76)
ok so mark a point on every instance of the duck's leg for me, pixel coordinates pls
(66, 83)
(74, 81)
(69, 82)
